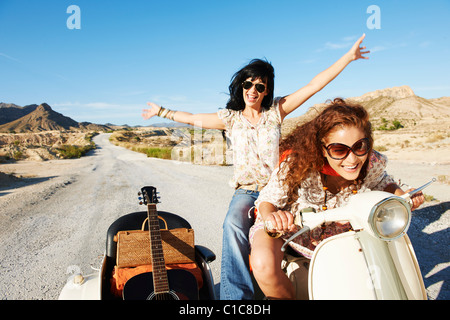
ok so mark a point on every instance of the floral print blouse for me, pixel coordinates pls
(311, 194)
(255, 147)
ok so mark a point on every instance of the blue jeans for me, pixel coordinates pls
(235, 279)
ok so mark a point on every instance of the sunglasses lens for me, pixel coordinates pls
(247, 85)
(338, 151)
(260, 87)
(360, 148)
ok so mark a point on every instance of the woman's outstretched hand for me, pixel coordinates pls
(356, 51)
(153, 111)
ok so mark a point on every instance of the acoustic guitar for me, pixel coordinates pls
(161, 284)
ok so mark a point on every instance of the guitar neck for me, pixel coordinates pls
(160, 280)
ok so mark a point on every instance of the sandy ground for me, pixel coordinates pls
(54, 219)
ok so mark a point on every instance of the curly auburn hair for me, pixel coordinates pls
(305, 144)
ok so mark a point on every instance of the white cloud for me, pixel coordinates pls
(163, 99)
(335, 46)
(350, 38)
(8, 57)
(100, 112)
(345, 42)
(102, 105)
(425, 44)
(93, 105)
(377, 49)
(309, 61)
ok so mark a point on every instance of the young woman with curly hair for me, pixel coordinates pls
(324, 162)
(252, 120)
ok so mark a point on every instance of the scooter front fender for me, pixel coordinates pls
(357, 266)
(408, 269)
(89, 289)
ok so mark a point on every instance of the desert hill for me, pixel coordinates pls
(397, 103)
(40, 118)
(39, 133)
(10, 112)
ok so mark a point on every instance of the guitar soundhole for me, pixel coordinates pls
(163, 296)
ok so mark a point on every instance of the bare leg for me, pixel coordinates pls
(266, 257)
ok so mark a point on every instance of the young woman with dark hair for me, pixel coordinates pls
(252, 120)
(324, 162)
(256, 69)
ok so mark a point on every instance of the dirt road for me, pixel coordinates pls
(56, 219)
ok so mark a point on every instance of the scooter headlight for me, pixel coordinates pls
(390, 218)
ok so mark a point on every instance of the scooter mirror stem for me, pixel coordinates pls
(295, 235)
(407, 196)
(422, 187)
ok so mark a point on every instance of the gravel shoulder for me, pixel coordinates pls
(54, 219)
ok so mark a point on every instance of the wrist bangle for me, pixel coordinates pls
(161, 109)
(164, 113)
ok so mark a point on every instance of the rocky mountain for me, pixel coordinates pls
(35, 118)
(10, 112)
(402, 104)
(395, 92)
(387, 105)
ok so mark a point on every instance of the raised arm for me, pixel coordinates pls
(204, 120)
(296, 99)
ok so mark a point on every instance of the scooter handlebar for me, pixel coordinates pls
(407, 196)
(311, 220)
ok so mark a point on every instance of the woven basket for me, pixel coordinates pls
(133, 247)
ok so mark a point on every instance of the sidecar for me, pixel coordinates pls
(100, 285)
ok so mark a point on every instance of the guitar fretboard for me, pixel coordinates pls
(160, 280)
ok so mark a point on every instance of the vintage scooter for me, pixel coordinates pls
(375, 260)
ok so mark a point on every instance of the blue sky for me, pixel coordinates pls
(182, 54)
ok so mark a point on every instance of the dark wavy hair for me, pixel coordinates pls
(305, 143)
(256, 69)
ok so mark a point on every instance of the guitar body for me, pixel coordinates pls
(182, 283)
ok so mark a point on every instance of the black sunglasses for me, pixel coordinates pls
(339, 151)
(259, 86)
